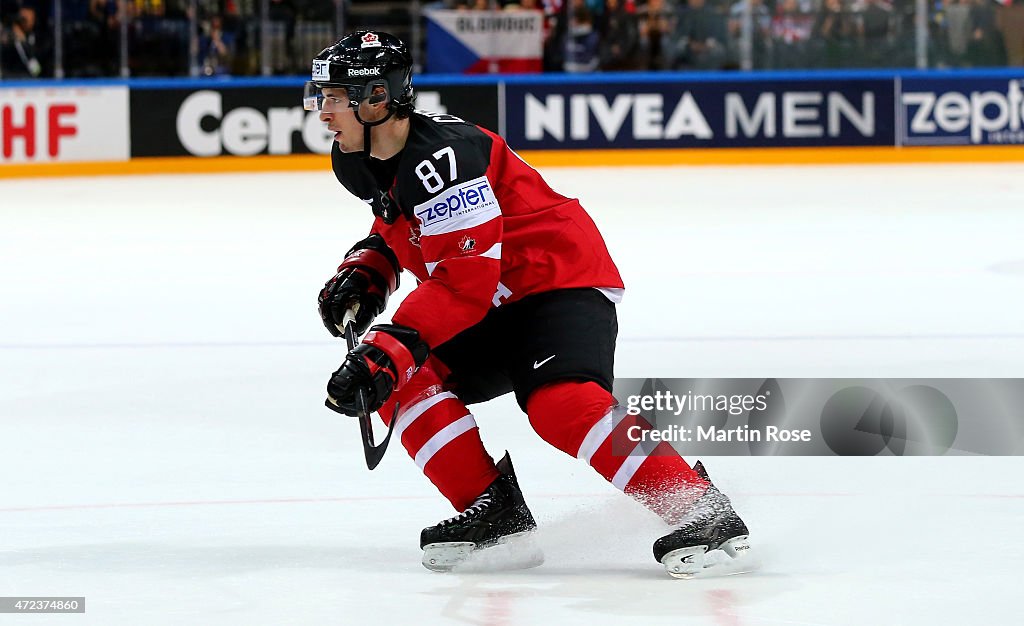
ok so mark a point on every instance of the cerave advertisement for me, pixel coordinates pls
(962, 111)
(56, 124)
(243, 121)
(858, 112)
(248, 121)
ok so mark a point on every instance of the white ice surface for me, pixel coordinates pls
(164, 451)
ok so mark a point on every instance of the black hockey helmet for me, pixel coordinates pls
(359, 63)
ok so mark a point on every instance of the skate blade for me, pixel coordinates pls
(442, 557)
(731, 558)
(516, 551)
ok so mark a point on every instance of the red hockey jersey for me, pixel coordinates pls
(475, 225)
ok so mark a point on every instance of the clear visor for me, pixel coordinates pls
(313, 95)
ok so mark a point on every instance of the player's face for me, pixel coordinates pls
(340, 119)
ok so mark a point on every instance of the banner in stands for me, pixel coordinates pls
(480, 42)
(855, 112)
(247, 121)
(52, 124)
(961, 111)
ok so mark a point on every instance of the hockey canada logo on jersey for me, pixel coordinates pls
(464, 206)
(371, 40)
(467, 244)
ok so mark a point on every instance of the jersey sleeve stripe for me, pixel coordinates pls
(494, 252)
(461, 244)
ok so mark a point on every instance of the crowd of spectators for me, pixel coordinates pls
(586, 35)
(157, 34)
(613, 35)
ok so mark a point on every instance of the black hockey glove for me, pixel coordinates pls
(365, 279)
(386, 359)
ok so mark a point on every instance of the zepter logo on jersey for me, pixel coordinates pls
(464, 206)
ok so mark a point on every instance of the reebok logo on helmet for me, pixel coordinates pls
(363, 71)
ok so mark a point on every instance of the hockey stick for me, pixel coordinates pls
(373, 453)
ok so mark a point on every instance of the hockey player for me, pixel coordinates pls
(515, 292)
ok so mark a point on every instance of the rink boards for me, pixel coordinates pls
(185, 125)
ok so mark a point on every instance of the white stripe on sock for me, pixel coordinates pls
(443, 438)
(409, 415)
(629, 467)
(599, 432)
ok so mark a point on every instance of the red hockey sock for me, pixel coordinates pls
(583, 420)
(442, 437)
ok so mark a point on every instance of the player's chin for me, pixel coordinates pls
(344, 147)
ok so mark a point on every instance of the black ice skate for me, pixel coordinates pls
(491, 534)
(711, 539)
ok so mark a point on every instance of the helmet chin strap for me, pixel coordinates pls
(369, 125)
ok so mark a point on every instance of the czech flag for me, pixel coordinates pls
(480, 42)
